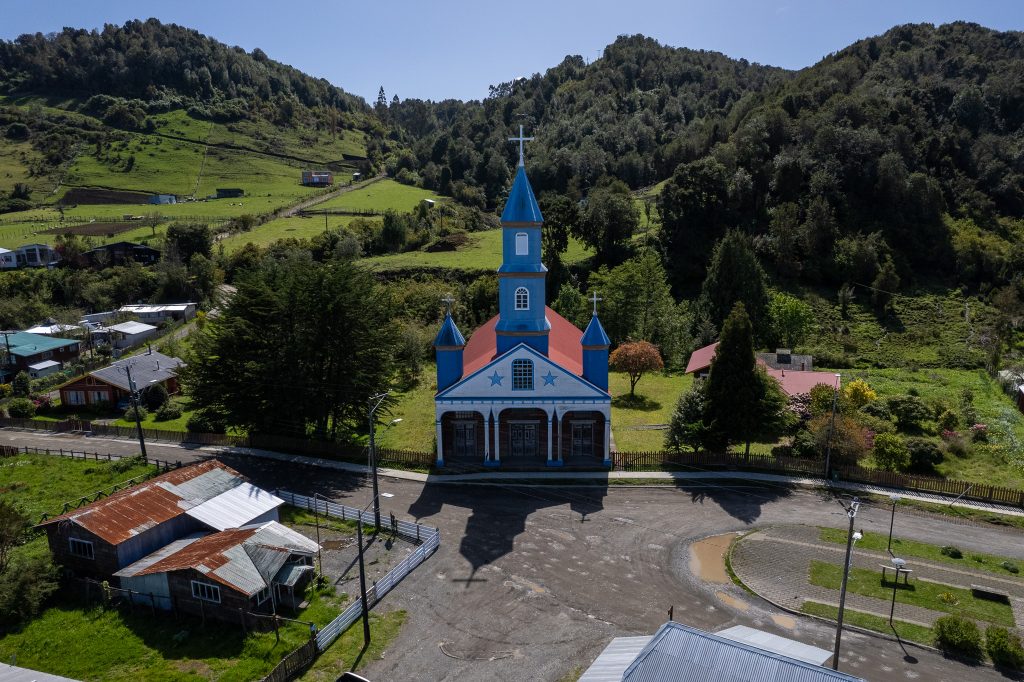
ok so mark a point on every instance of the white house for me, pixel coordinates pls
(36, 255)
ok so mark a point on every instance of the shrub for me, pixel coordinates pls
(170, 410)
(154, 397)
(21, 385)
(925, 454)
(1004, 648)
(5, 391)
(858, 393)
(909, 411)
(957, 447)
(957, 635)
(25, 587)
(952, 552)
(21, 408)
(948, 420)
(979, 433)
(878, 410)
(891, 452)
(1010, 566)
(822, 397)
(204, 422)
(129, 414)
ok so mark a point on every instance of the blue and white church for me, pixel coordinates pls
(528, 387)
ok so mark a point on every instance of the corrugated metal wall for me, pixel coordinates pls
(149, 541)
(155, 584)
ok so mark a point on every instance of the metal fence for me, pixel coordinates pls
(428, 539)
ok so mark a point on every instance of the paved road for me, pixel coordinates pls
(532, 582)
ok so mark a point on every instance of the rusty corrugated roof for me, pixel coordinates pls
(129, 512)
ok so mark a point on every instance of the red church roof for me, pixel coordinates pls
(564, 345)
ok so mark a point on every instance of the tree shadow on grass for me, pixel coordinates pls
(636, 402)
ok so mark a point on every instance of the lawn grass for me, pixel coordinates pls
(43, 483)
(98, 644)
(908, 631)
(347, 651)
(482, 252)
(869, 583)
(656, 396)
(999, 463)
(904, 548)
(297, 516)
(151, 422)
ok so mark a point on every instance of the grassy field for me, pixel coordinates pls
(281, 228)
(98, 644)
(927, 595)
(383, 195)
(43, 483)
(909, 631)
(999, 463)
(416, 409)
(656, 396)
(151, 422)
(911, 548)
(482, 252)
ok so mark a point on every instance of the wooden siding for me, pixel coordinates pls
(101, 566)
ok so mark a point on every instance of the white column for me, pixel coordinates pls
(440, 441)
(558, 445)
(551, 427)
(487, 435)
(607, 437)
(497, 437)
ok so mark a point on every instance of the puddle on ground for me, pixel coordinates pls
(732, 601)
(787, 622)
(707, 558)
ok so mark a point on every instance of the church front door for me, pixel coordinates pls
(465, 439)
(583, 439)
(523, 440)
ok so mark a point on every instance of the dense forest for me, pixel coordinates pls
(907, 146)
(155, 62)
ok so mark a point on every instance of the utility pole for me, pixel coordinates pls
(831, 426)
(851, 537)
(375, 402)
(362, 579)
(134, 394)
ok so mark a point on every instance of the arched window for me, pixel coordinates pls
(522, 298)
(522, 244)
(522, 375)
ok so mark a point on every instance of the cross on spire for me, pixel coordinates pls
(448, 301)
(594, 298)
(521, 139)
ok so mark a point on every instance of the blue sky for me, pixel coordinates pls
(436, 49)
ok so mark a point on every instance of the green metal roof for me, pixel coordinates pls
(25, 345)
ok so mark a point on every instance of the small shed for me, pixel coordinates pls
(314, 178)
(44, 368)
(129, 334)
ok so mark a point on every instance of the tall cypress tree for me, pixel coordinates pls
(735, 276)
(734, 387)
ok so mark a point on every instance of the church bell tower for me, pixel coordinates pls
(521, 277)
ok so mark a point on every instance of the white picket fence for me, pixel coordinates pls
(428, 537)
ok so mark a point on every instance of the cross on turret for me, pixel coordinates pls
(521, 139)
(448, 301)
(594, 298)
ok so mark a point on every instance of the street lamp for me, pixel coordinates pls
(831, 427)
(895, 499)
(898, 564)
(851, 538)
(375, 402)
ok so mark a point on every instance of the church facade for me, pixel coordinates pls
(528, 387)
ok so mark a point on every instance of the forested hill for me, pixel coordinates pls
(876, 143)
(154, 62)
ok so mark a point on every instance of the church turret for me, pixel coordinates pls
(448, 346)
(521, 283)
(595, 351)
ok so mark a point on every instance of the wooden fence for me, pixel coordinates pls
(294, 663)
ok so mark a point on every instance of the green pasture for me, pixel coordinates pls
(295, 226)
(656, 396)
(481, 252)
(15, 160)
(382, 195)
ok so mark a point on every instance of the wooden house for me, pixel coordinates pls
(109, 385)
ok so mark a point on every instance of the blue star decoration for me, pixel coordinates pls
(495, 378)
(549, 379)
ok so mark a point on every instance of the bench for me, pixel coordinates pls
(904, 571)
(990, 594)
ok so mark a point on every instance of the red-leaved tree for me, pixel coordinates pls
(634, 358)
